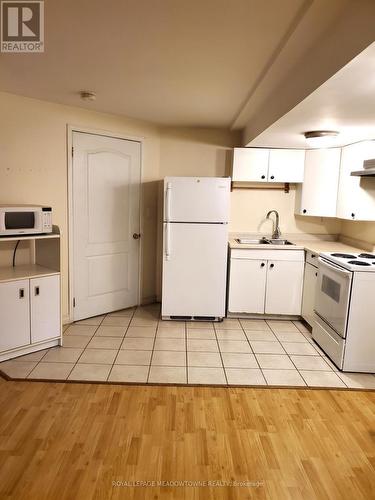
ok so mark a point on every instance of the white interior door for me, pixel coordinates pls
(106, 194)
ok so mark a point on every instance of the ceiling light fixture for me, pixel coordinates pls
(87, 95)
(321, 138)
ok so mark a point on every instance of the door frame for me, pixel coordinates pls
(113, 135)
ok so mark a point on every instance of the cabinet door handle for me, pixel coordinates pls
(262, 264)
(272, 266)
(36, 290)
(272, 177)
(263, 176)
(21, 293)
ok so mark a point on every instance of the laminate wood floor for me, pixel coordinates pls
(91, 441)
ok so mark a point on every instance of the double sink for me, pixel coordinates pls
(263, 241)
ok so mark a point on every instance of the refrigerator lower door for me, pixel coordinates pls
(194, 270)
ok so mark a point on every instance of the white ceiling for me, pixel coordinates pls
(346, 103)
(201, 63)
(174, 62)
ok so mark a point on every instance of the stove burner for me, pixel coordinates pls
(359, 263)
(366, 256)
(343, 255)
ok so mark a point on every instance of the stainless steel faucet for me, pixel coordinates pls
(276, 233)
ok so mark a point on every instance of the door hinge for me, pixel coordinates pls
(74, 302)
(72, 151)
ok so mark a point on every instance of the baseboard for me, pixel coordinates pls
(277, 317)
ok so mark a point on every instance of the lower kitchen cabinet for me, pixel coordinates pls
(309, 288)
(29, 311)
(266, 282)
(14, 314)
(284, 287)
(247, 285)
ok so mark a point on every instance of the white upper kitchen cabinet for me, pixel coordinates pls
(317, 196)
(356, 196)
(286, 165)
(250, 164)
(268, 165)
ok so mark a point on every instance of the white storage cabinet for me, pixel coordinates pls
(356, 196)
(317, 196)
(265, 282)
(30, 296)
(29, 311)
(268, 165)
(286, 165)
(14, 314)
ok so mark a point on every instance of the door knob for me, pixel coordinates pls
(136, 236)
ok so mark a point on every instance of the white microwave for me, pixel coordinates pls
(25, 219)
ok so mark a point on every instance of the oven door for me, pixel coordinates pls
(333, 295)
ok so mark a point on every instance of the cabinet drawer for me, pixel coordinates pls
(246, 253)
(312, 258)
(331, 343)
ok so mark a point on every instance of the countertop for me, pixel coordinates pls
(316, 246)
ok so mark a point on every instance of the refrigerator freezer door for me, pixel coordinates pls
(194, 269)
(196, 199)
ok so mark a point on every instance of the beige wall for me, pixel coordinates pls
(250, 206)
(33, 166)
(188, 151)
(364, 231)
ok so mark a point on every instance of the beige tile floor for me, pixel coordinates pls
(135, 346)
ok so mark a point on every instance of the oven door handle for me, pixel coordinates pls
(339, 269)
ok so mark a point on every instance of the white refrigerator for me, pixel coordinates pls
(195, 247)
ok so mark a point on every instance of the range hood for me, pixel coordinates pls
(367, 171)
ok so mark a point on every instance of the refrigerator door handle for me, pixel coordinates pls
(168, 201)
(167, 241)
